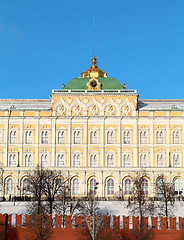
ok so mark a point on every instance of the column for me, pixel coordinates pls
(69, 143)
(37, 142)
(53, 141)
(6, 138)
(119, 143)
(152, 143)
(135, 143)
(85, 142)
(102, 142)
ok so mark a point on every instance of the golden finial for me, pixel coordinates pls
(94, 71)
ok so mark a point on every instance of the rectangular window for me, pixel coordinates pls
(61, 137)
(126, 137)
(13, 137)
(77, 137)
(44, 137)
(110, 136)
(29, 137)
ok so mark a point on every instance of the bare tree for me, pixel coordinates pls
(89, 206)
(36, 190)
(51, 194)
(165, 195)
(141, 205)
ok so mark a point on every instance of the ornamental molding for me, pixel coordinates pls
(77, 109)
(94, 152)
(86, 100)
(118, 100)
(94, 102)
(176, 151)
(60, 102)
(110, 102)
(127, 107)
(93, 84)
(76, 152)
(111, 107)
(60, 152)
(62, 110)
(69, 100)
(111, 110)
(127, 152)
(78, 102)
(94, 110)
(102, 100)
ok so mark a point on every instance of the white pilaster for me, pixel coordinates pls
(102, 142)
(135, 143)
(37, 141)
(53, 141)
(119, 143)
(69, 157)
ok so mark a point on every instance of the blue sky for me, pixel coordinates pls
(45, 43)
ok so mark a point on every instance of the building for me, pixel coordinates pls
(93, 130)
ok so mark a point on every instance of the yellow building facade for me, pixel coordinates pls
(93, 130)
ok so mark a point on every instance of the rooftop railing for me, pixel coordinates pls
(94, 91)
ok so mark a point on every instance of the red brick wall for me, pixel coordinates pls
(19, 232)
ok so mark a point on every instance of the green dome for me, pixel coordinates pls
(106, 83)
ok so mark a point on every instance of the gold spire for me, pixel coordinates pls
(93, 71)
(93, 36)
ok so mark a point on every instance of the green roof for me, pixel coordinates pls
(81, 83)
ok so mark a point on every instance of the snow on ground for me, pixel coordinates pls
(110, 207)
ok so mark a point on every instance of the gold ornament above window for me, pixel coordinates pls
(93, 84)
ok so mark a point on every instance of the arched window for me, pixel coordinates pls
(77, 137)
(26, 186)
(29, 137)
(28, 160)
(128, 187)
(159, 137)
(160, 160)
(44, 160)
(92, 187)
(44, 137)
(10, 186)
(176, 137)
(126, 160)
(110, 137)
(61, 160)
(110, 160)
(75, 187)
(76, 160)
(61, 137)
(93, 160)
(110, 186)
(178, 187)
(93, 137)
(144, 186)
(143, 137)
(126, 137)
(12, 160)
(13, 136)
(176, 160)
(143, 160)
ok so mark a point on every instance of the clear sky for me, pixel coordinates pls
(45, 43)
